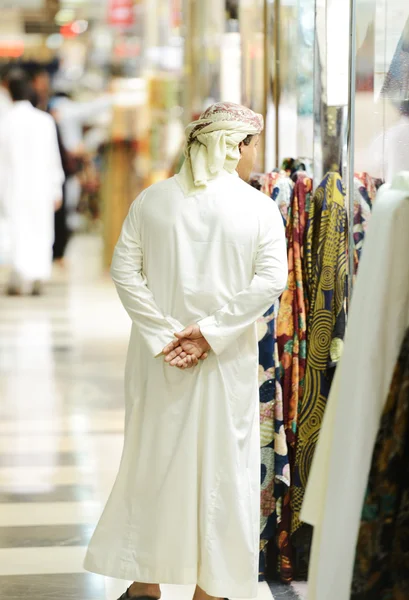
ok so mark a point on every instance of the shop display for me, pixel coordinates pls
(378, 319)
(305, 332)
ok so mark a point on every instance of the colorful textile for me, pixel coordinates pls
(213, 144)
(382, 556)
(275, 468)
(292, 317)
(280, 188)
(275, 476)
(326, 259)
(291, 340)
(362, 215)
(368, 186)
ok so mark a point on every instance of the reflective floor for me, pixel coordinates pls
(61, 421)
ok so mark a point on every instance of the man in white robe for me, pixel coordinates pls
(5, 105)
(205, 253)
(31, 179)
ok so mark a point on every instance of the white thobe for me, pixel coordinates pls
(185, 505)
(31, 179)
(378, 319)
(5, 105)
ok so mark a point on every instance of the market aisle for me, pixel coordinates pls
(61, 422)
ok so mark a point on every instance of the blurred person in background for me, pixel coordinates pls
(204, 250)
(72, 117)
(62, 232)
(41, 84)
(5, 100)
(5, 105)
(31, 180)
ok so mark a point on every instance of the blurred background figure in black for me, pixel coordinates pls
(31, 180)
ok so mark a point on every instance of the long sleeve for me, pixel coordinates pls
(268, 283)
(131, 283)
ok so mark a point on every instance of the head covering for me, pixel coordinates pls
(212, 144)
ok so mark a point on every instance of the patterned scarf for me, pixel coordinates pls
(213, 144)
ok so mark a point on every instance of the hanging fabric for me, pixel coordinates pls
(291, 340)
(326, 260)
(378, 319)
(362, 215)
(382, 556)
(275, 476)
(292, 317)
(275, 471)
(279, 187)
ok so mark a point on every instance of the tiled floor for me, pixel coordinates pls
(61, 421)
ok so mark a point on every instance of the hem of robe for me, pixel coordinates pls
(172, 576)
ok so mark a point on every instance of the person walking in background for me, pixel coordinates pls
(41, 84)
(5, 105)
(31, 180)
(72, 116)
(202, 255)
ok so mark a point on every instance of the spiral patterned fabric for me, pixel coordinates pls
(326, 261)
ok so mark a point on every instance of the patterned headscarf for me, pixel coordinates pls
(213, 143)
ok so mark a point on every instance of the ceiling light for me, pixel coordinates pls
(79, 27)
(65, 15)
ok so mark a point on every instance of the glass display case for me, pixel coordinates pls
(290, 29)
(381, 66)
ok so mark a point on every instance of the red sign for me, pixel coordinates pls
(121, 12)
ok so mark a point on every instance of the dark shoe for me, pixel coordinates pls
(126, 596)
(13, 291)
(37, 289)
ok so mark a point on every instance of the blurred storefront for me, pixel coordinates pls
(164, 61)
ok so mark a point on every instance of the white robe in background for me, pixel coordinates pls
(377, 323)
(185, 506)
(31, 179)
(5, 105)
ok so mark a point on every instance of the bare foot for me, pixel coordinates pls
(152, 590)
(201, 595)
